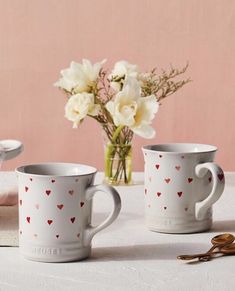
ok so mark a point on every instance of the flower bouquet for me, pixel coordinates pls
(123, 101)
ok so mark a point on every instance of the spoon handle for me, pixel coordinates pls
(191, 257)
(198, 256)
(206, 256)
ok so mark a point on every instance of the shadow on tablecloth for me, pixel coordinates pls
(223, 226)
(166, 251)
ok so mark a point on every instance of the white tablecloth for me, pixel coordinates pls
(126, 256)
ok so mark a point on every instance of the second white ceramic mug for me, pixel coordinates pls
(55, 207)
(181, 184)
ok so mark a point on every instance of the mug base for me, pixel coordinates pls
(177, 226)
(55, 254)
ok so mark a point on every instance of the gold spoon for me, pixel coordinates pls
(226, 250)
(219, 241)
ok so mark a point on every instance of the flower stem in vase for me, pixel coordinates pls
(109, 155)
(118, 161)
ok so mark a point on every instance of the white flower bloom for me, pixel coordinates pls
(121, 71)
(130, 109)
(124, 69)
(117, 86)
(79, 106)
(148, 107)
(79, 77)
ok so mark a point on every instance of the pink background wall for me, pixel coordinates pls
(40, 37)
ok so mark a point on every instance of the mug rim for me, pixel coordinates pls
(21, 169)
(203, 148)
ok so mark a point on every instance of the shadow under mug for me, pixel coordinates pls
(181, 184)
(55, 207)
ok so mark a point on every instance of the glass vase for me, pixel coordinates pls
(118, 164)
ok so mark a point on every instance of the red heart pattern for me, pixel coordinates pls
(179, 194)
(167, 180)
(48, 192)
(221, 176)
(72, 219)
(49, 221)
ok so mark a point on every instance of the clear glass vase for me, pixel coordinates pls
(118, 164)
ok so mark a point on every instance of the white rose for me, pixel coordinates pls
(121, 71)
(79, 106)
(79, 77)
(130, 109)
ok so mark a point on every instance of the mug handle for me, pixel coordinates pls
(217, 187)
(90, 192)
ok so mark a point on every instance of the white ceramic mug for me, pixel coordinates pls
(181, 184)
(55, 206)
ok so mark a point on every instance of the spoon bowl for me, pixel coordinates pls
(10, 149)
(228, 250)
(222, 238)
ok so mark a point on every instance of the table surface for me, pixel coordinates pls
(127, 256)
